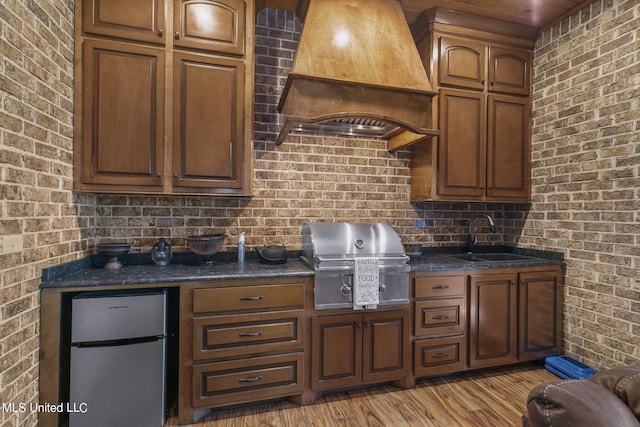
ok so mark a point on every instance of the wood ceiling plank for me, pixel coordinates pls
(536, 13)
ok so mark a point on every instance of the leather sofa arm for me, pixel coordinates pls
(624, 382)
(576, 403)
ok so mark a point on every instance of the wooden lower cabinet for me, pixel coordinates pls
(514, 317)
(540, 315)
(247, 380)
(485, 318)
(439, 355)
(493, 320)
(440, 323)
(241, 341)
(354, 349)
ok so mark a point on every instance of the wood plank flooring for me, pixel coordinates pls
(493, 397)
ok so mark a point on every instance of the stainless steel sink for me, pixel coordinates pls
(490, 257)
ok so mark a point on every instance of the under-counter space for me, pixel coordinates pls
(268, 298)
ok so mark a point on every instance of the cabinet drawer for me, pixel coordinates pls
(248, 298)
(436, 317)
(439, 355)
(240, 335)
(439, 286)
(247, 380)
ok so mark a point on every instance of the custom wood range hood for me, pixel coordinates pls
(357, 72)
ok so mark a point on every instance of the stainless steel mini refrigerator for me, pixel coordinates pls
(117, 360)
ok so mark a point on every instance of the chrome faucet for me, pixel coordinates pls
(471, 239)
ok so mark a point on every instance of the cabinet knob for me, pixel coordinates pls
(175, 175)
(158, 175)
(176, 36)
(491, 82)
(160, 33)
(482, 81)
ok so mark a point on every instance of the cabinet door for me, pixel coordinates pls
(141, 20)
(540, 312)
(336, 351)
(385, 346)
(508, 163)
(208, 133)
(215, 25)
(493, 320)
(462, 63)
(461, 162)
(509, 70)
(122, 115)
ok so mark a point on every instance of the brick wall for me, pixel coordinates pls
(585, 179)
(36, 202)
(586, 175)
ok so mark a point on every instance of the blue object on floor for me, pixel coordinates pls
(567, 367)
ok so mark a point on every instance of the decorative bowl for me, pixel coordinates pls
(273, 254)
(206, 245)
(112, 251)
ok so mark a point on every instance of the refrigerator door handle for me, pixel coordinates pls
(115, 343)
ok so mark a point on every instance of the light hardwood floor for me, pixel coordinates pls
(492, 397)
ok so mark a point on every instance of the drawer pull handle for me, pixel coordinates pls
(439, 317)
(250, 380)
(256, 298)
(440, 356)
(440, 287)
(251, 334)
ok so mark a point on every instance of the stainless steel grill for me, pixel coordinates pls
(332, 248)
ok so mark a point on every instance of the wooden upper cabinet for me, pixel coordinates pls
(508, 147)
(509, 70)
(462, 63)
(208, 114)
(214, 25)
(462, 150)
(132, 76)
(141, 20)
(122, 117)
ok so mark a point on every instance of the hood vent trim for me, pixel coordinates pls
(370, 83)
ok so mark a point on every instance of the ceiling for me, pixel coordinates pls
(535, 13)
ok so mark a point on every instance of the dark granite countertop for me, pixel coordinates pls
(176, 273)
(427, 263)
(139, 270)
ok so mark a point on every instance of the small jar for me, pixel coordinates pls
(161, 253)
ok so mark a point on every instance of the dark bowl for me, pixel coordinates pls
(206, 244)
(273, 254)
(112, 249)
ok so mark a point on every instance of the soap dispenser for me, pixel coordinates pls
(161, 253)
(241, 247)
